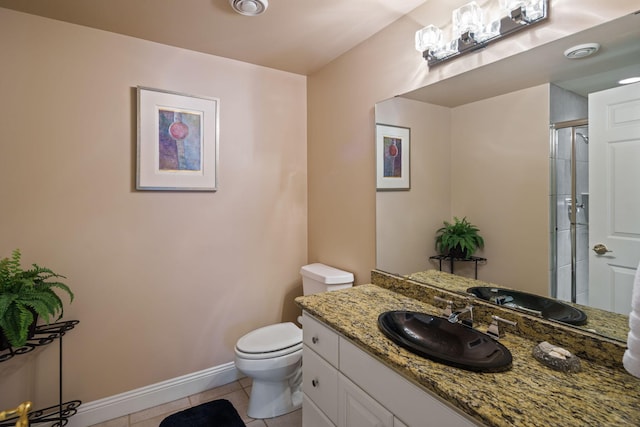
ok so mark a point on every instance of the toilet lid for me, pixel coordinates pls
(270, 338)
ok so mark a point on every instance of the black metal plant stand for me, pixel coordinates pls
(45, 334)
(451, 259)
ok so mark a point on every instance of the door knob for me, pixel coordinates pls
(601, 249)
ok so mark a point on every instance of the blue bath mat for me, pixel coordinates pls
(217, 413)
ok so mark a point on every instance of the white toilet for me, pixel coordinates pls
(272, 355)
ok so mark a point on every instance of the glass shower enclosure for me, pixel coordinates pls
(569, 216)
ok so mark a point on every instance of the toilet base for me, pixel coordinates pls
(277, 383)
(272, 399)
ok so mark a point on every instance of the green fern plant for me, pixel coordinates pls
(25, 295)
(459, 239)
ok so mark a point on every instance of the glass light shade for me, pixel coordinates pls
(446, 49)
(533, 9)
(489, 31)
(467, 18)
(428, 38)
(508, 5)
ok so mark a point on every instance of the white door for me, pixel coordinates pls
(614, 200)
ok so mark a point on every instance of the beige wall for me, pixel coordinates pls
(341, 99)
(406, 220)
(165, 282)
(341, 121)
(500, 182)
(487, 161)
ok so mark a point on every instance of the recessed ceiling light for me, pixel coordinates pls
(581, 50)
(629, 80)
(249, 7)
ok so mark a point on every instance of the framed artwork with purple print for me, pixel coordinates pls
(177, 141)
(392, 157)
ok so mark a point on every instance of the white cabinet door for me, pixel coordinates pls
(312, 416)
(357, 409)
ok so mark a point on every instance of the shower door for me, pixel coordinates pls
(570, 211)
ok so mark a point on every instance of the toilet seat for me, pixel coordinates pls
(270, 341)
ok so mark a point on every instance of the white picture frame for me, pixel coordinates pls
(177, 141)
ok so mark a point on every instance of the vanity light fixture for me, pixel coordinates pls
(471, 32)
(249, 7)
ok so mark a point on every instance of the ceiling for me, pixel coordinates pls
(299, 36)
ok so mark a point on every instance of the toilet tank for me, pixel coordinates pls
(321, 278)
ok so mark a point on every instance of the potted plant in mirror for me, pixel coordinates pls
(459, 239)
(26, 295)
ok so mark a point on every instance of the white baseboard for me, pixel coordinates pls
(163, 392)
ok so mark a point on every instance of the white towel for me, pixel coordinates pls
(631, 358)
(633, 343)
(631, 363)
(635, 294)
(634, 321)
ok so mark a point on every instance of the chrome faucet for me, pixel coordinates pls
(454, 317)
(494, 329)
(448, 310)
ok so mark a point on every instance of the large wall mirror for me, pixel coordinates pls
(482, 146)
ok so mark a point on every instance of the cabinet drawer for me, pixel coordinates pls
(320, 338)
(320, 383)
(312, 416)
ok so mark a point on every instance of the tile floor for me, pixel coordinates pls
(236, 392)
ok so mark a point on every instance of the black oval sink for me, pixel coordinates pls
(547, 308)
(442, 341)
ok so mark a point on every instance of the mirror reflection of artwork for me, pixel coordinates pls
(180, 141)
(392, 157)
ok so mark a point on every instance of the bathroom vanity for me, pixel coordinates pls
(336, 374)
(354, 375)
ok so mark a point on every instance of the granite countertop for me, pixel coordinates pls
(595, 347)
(530, 394)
